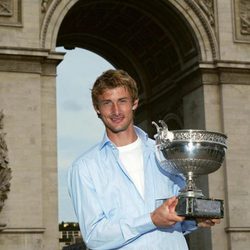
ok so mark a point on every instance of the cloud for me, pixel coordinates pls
(71, 105)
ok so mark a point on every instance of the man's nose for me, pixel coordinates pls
(115, 108)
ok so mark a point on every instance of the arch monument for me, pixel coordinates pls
(191, 59)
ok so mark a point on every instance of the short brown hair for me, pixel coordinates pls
(113, 78)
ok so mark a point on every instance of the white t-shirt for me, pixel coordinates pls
(132, 159)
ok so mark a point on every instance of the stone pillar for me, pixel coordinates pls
(226, 109)
(221, 103)
(202, 110)
(28, 99)
(194, 118)
(217, 180)
(235, 97)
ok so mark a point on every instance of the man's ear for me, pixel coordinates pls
(96, 109)
(97, 112)
(135, 104)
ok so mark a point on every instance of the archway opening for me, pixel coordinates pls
(150, 40)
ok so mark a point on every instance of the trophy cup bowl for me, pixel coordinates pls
(192, 153)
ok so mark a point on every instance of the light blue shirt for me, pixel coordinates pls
(110, 210)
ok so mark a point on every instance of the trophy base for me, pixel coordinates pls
(192, 207)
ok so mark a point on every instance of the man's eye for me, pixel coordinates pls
(123, 101)
(106, 103)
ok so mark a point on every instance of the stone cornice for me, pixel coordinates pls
(237, 229)
(220, 64)
(2, 226)
(31, 52)
(225, 72)
(29, 60)
(15, 230)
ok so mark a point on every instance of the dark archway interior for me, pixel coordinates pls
(149, 39)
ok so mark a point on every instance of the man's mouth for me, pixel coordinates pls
(117, 119)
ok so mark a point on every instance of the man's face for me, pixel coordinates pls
(115, 107)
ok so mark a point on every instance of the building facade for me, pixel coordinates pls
(191, 60)
(70, 236)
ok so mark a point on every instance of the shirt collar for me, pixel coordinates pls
(140, 133)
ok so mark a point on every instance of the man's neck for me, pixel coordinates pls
(123, 138)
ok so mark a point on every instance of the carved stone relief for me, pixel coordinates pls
(207, 7)
(242, 20)
(201, 7)
(5, 8)
(45, 5)
(5, 171)
(10, 12)
(245, 17)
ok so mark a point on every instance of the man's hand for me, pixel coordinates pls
(165, 215)
(202, 222)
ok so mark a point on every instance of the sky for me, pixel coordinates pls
(78, 127)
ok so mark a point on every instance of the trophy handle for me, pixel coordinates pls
(158, 128)
(163, 124)
(164, 137)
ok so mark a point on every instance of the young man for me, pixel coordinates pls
(117, 188)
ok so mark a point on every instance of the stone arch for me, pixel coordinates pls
(53, 17)
(161, 44)
(208, 89)
(190, 10)
(202, 26)
(174, 38)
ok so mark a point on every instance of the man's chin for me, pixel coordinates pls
(118, 129)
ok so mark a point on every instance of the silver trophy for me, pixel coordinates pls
(191, 153)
